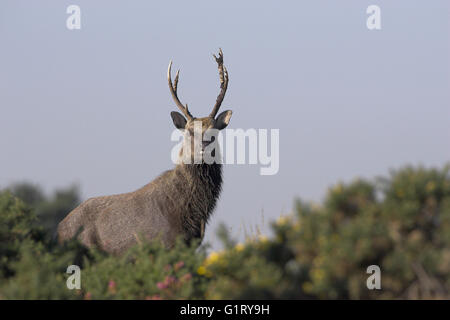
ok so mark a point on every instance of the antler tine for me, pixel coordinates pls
(223, 74)
(175, 82)
(173, 91)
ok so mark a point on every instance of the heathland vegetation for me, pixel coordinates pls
(400, 223)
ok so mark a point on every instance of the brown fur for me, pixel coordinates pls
(177, 203)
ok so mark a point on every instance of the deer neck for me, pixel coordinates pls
(202, 184)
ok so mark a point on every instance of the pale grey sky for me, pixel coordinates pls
(92, 106)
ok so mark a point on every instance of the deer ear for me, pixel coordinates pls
(178, 120)
(223, 119)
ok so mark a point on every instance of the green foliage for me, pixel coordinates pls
(147, 271)
(322, 251)
(49, 210)
(400, 223)
(39, 274)
(16, 221)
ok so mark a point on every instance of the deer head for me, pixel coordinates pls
(198, 132)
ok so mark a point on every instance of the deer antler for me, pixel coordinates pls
(173, 91)
(223, 73)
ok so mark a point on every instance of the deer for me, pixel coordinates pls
(178, 203)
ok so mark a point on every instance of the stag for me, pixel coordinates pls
(178, 203)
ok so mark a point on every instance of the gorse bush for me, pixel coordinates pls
(48, 210)
(321, 251)
(156, 273)
(16, 226)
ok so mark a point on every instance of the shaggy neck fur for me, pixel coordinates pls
(201, 184)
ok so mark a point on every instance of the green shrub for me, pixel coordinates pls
(39, 274)
(16, 226)
(321, 251)
(49, 210)
(146, 271)
(401, 224)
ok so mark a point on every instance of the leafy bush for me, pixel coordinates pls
(156, 273)
(39, 274)
(321, 251)
(49, 210)
(16, 222)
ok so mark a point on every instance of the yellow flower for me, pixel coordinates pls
(263, 239)
(239, 247)
(201, 270)
(282, 221)
(212, 258)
